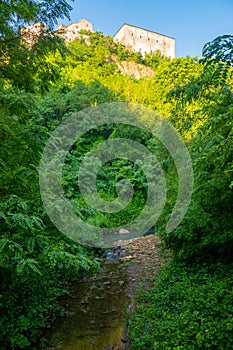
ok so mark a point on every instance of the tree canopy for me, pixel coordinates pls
(220, 49)
(24, 65)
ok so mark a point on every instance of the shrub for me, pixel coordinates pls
(188, 308)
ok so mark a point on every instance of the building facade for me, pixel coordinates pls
(145, 41)
(31, 34)
(72, 31)
(132, 37)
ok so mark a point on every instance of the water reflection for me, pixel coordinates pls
(96, 313)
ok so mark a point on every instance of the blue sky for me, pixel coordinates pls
(191, 23)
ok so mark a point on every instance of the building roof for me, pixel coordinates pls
(77, 22)
(147, 30)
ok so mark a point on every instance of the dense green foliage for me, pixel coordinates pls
(23, 65)
(220, 49)
(42, 86)
(188, 308)
(36, 260)
(207, 227)
(190, 305)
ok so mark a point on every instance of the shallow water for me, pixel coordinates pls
(96, 313)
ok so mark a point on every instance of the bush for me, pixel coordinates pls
(35, 259)
(188, 308)
(206, 229)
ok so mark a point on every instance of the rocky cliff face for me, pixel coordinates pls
(132, 68)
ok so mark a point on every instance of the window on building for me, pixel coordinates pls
(157, 41)
(132, 34)
(77, 27)
(148, 39)
(140, 36)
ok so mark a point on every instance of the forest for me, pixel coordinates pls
(190, 305)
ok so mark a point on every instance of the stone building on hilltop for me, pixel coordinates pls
(132, 37)
(31, 34)
(145, 41)
(72, 31)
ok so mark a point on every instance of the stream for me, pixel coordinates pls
(97, 306)
(96, 311)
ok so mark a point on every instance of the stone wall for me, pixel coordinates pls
(72, 31)
(30, 35)
(145, 41)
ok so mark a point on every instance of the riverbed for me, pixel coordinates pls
(97, 306)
